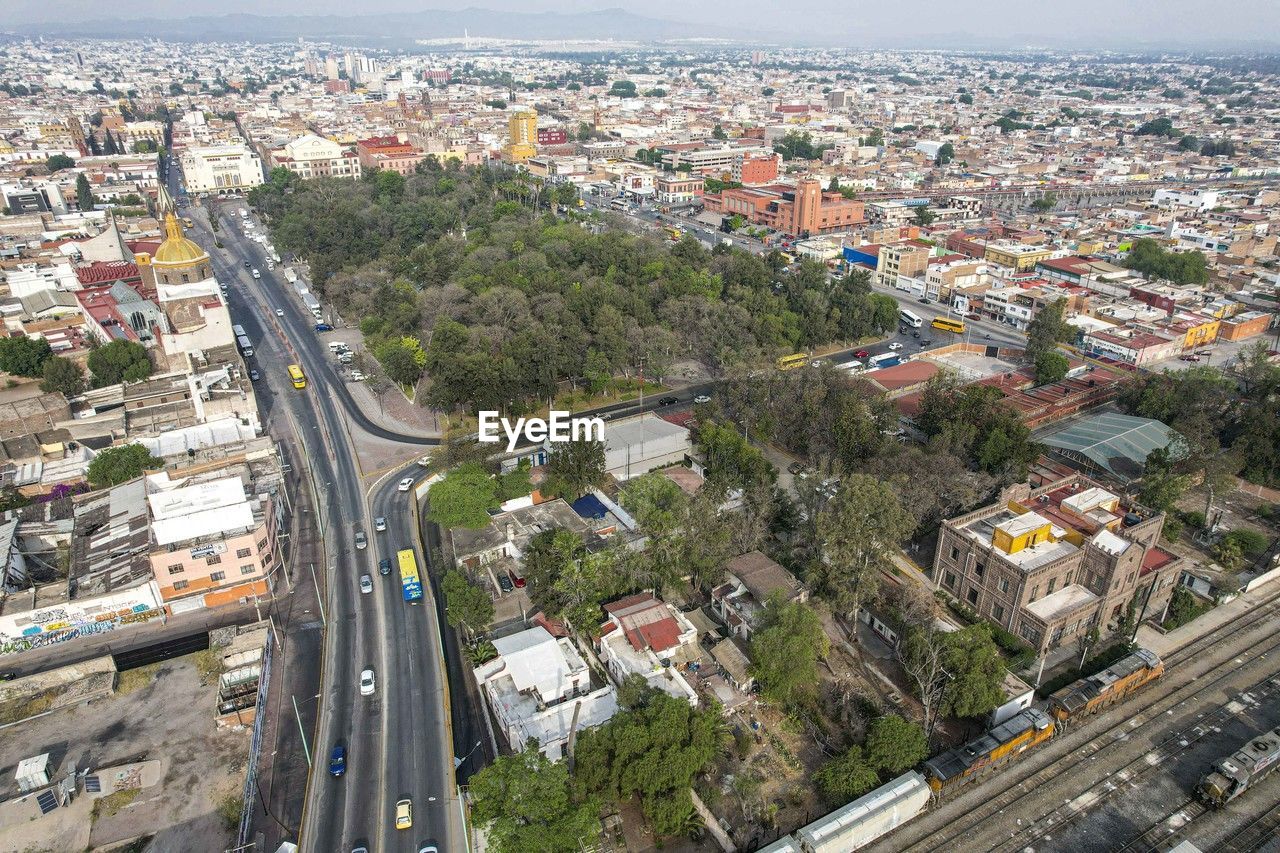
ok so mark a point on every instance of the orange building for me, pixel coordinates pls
(756, 170)
(802, 211)
(1246, 325)
(388, 152)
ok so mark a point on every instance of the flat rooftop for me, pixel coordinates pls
(1066, 600)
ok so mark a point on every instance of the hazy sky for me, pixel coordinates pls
(1039, 22)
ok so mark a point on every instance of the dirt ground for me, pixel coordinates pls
(167, 715)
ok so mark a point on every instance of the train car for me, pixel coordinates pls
(1088, 695)
(867, 818)
(1023, 731)
(1241, 770)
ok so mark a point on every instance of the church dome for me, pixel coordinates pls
(177, 250)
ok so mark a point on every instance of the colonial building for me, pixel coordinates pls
(219, 168)
(312, 156)
(1048, 564)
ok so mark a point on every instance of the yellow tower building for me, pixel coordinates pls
(522, 128)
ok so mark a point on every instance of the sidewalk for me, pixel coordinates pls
(1165, 643)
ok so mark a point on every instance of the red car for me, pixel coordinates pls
(516, 579)
(861, 354)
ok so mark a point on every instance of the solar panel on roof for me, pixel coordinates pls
(47, 801)
(92, 784)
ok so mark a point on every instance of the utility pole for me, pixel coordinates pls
(301, 731)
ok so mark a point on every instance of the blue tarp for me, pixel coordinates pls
(589, 506)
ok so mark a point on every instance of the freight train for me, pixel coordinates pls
(1024, 730)
(1241, 770)
(889, 806)
(1100, 690)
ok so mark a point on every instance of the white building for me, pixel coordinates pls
(644, 636)
(214, 168)
(1197, 199)
(537, 685)
(636, 446)
(312, 156)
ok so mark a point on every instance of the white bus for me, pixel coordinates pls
(239, 331)
(906, 318)
(618, 204)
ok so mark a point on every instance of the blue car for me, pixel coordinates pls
(338, 761)
(323, 327)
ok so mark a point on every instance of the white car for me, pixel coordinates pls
(357, 376)
(380, 524)
(406, 484)
(702, 399)
(366, 584)
(367, 684)
(362, 541)
(279, 312)
(895, 346)
(254, 272)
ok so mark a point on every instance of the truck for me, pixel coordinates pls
(888, 359)
(290, 275)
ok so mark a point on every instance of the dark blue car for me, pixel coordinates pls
(323, 327)
(338, 761)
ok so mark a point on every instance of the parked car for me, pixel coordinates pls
(362, 541)
(668, 401)
(862, 354)
(384, 566)
(702, 399)
(895, 346)
(357, 376)
(406, 484)
(795, 468)
(323, 327)
(926, 342)
(915, 334)
(505, 584)
(1205, 353)
(516, 579)
(922, 300)
(380, 524)
(367, 684)
(1190, 357)
(338, 760)
(366, 584)
(254, 376)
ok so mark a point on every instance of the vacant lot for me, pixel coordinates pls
(162, 712)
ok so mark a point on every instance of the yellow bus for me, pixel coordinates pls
(791, 362)
(948, 324)
(410, 583)
(296, 374)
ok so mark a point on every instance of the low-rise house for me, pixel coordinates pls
(750, 580)
(646, 637)
(540, 687)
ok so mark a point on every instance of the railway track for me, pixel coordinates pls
(1254, 834)
(1022, 785)
(1132, 774)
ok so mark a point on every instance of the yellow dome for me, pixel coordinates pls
(177, 250)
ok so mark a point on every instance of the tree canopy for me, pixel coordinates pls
(785, 650)
(464, 497)
(651, 750)
(574, 467)
(119, 361)
(62, 375)
(894, 744)
(23, 356)
(524, 801)
(1151, 259)
(117, 465)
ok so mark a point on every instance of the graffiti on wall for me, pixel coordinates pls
(51, 633)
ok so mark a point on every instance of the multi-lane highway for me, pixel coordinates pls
(398, 740)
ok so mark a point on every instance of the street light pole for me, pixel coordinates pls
(306, 750)
(319, 597)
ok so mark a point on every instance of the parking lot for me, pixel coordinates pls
(1220, 354)
(159, 713)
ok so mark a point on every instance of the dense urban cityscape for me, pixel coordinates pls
(475, 441)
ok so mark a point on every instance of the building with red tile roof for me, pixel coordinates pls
(645, 636)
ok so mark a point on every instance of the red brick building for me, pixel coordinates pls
(388, 152)
(552, 136)
(804, 210)
(756, 170)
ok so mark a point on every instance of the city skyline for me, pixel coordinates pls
(1136, 25)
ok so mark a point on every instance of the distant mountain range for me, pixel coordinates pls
(618, 24)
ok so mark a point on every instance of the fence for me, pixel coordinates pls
(255, 744)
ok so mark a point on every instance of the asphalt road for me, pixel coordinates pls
(397, 740)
